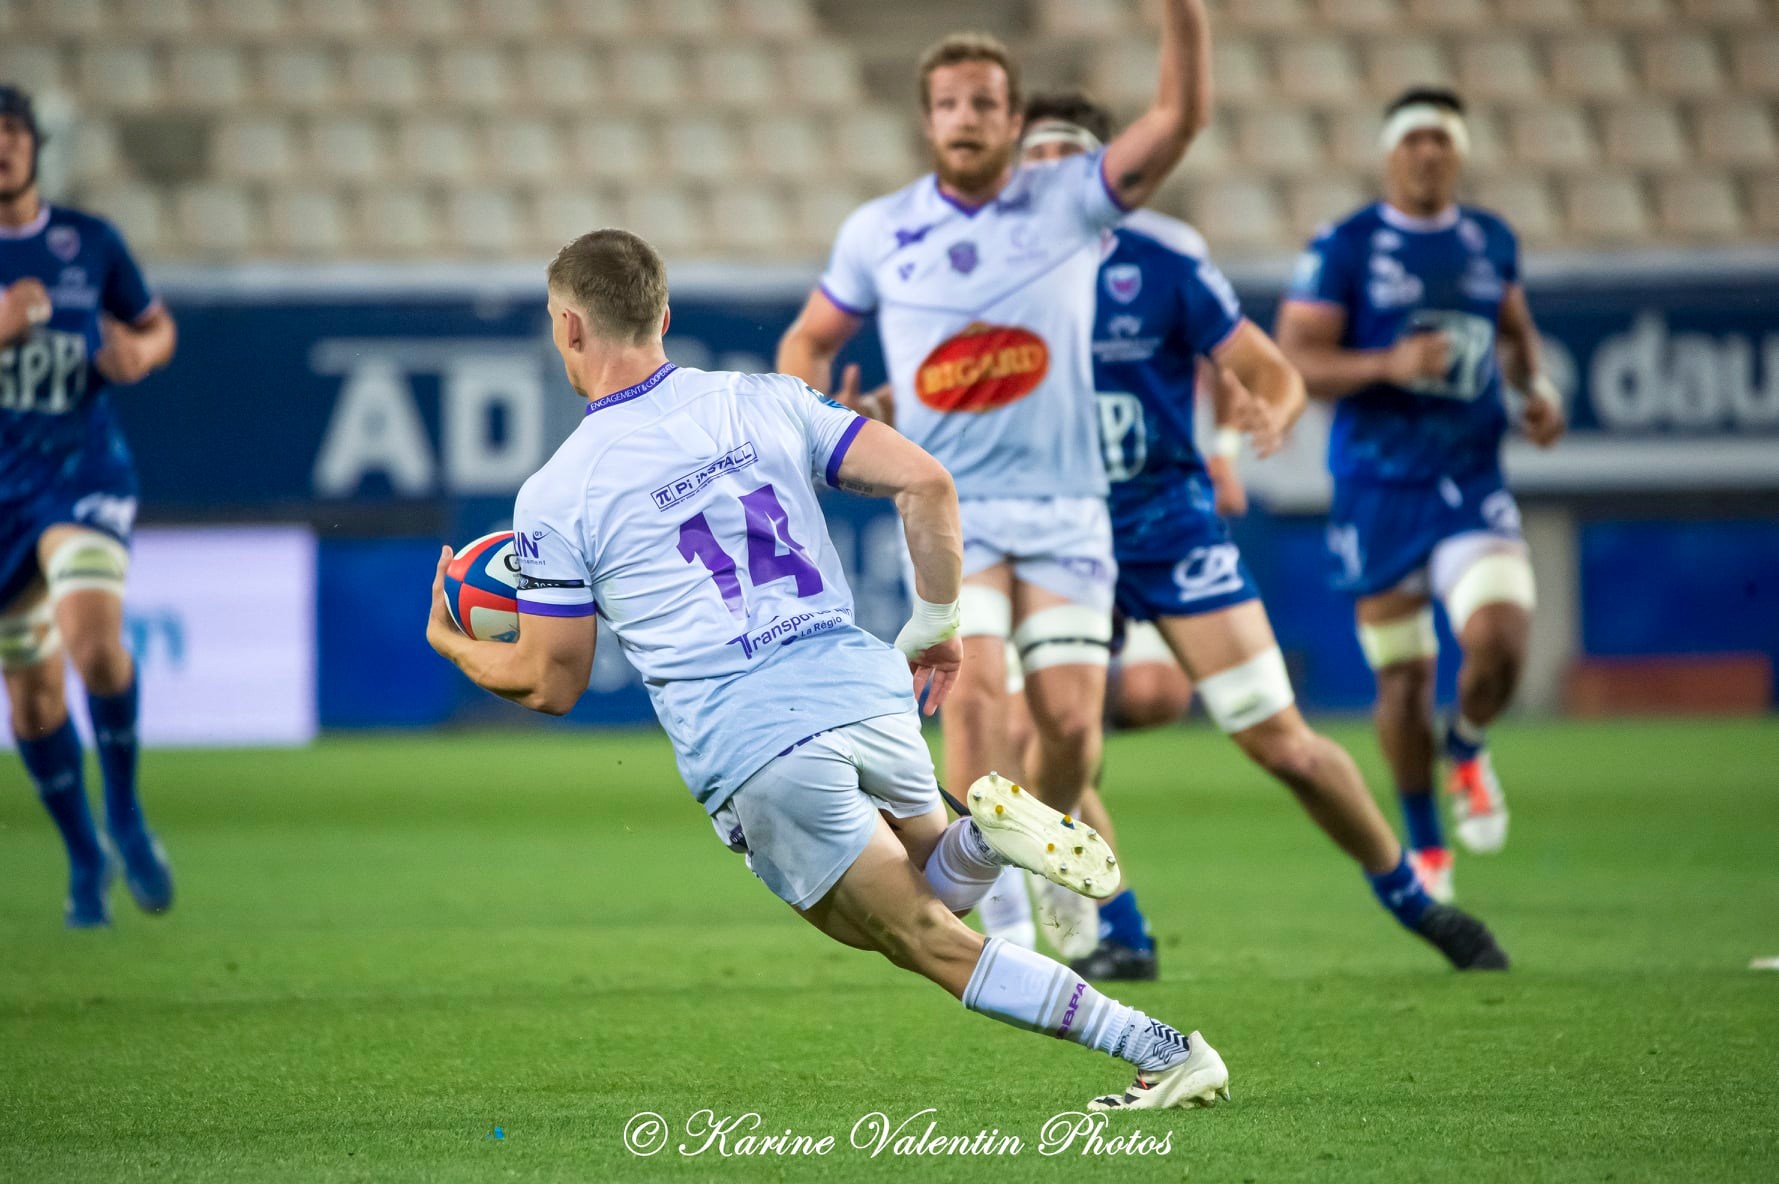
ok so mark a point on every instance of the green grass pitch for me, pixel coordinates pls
(385, 948)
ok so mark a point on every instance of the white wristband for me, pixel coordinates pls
(927, 626)
(1541, 387)
(1228, 443)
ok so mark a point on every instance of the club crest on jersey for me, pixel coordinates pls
(63, 242)
(1123, 282)
(963, 257)
(982, 368)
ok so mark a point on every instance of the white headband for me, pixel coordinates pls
(1421, 117)
(1059, 131)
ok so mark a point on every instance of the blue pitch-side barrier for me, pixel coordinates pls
(393, 418)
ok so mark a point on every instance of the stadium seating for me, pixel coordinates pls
(745, 128)
(1591, 66)
(308, 223)
(1610, 205)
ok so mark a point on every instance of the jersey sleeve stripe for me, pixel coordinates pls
(842, 305)
(1234, 328)
(1111, 191)
(538, 608)
(840, 447)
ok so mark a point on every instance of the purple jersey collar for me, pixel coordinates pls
(34, 226)
(632, 392)
(1444, 220)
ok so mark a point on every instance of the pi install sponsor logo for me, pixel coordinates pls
(982, 368)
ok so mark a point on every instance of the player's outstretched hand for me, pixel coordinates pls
(935, 671)
(1266, 429)
(1418, 356)
(123, 357)
(23, 305)
(439, 625)
(1544, 422)
(878, 404)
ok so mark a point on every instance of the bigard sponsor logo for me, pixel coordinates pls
(982, 368)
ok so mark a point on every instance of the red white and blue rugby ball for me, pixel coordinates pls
(482, 588)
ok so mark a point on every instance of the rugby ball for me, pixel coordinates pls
(482, 588)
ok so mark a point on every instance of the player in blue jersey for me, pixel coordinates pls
(1164, 306)
(1407, 316)
(75, 319)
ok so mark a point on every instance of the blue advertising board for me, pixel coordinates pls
(289, 405)
(412, 415)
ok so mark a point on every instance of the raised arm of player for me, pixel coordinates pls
(546, 670)
(808, 348)
(882, 463)
(1141, 156)
(1310, 335)
(1516, 338)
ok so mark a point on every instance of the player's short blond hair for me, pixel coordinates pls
(617, 281)
(968, 47)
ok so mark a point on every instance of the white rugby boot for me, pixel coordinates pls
(1479, 809)
(1028, 833)
(1202, 1079)
(1068, 920)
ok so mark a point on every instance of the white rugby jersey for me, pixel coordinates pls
(986, 316)
(683, 511)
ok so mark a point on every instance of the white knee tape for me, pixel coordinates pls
(1249, 694)
(1143, 642)
(28, 638)
(1067, 635)
(88, 562)
(1503, 577)
(983, 612)
(1406, 639)
(1015, 672)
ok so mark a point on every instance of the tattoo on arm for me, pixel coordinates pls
(866, 488)
(1130, 179)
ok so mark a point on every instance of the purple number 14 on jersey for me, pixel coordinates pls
(768, 528)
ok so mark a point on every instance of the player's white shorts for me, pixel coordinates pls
(1060, 544)
(1452, 557)
(806, 816)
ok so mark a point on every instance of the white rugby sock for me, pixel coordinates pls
(1027, 990)
(963, 867)
(1006, 911)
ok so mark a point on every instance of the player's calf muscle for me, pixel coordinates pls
(38, 706)
(882, 900)
(1284, 746)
